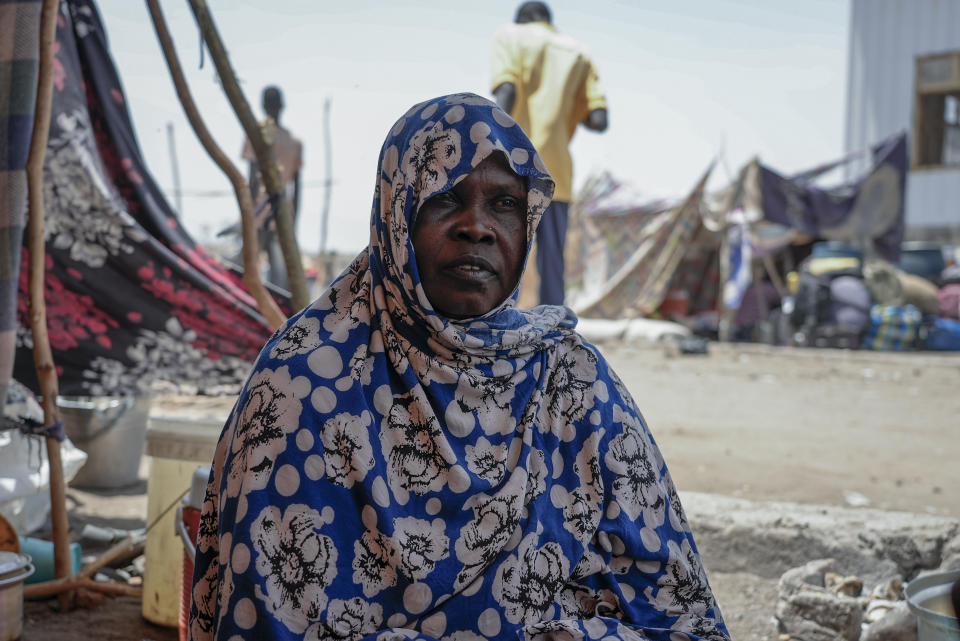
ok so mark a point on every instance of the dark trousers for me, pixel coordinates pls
(551, 237)
(277, 271)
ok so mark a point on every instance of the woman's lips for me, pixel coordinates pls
(470, 268)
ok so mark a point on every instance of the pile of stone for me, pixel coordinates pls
(841, 571)
(817, 603)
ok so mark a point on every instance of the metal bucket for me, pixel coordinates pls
(112, 431)
(928, 597)
(14, 569)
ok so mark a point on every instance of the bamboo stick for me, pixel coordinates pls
(42, 354)
(266, 158)
(124, 549)
(251, 274)
(71, 583)
(82, 579)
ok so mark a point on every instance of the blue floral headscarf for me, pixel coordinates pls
(389, 471)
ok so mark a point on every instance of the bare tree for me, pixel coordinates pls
(264, 152)
(251, 275)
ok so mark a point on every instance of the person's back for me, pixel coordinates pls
(556, 89)
(546, 81)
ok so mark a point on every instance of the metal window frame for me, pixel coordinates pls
(922, 90)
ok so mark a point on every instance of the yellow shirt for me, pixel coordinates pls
(557, 87)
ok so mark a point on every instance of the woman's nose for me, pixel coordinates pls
(473, 224)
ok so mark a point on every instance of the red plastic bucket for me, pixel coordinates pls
(188, 523)
(189, 517)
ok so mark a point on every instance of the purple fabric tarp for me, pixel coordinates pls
(870, 208)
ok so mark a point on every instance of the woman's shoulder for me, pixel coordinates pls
(571, 340)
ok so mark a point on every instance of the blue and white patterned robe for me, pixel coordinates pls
(390, 474)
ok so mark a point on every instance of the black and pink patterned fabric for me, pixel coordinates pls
(131, 298)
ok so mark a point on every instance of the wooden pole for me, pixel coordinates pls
(727, 315)
(175, 169)
(70, 583)
(266, 159)
(42, 354)
(327, 189)
(123, 550)
(251, 275)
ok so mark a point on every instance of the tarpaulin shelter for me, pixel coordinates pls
(131, 298)
(630, 252)
(20, 29)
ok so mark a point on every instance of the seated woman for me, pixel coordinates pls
(413, 455)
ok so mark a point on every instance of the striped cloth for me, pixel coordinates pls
(19, 61)
(893, 328)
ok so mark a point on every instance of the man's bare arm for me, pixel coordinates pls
(505, 95)
(596, 120)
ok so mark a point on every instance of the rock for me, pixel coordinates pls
(877, 609)
(768, 538)
(951, 563)
(807, 610)
(898, 625)
(845, 585)
(890, 590)
(855, 499)
(950, 559)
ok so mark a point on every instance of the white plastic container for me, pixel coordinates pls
(177, 445)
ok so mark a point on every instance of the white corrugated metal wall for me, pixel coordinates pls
(886, 37)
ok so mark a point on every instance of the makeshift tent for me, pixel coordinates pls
(630, 253)
(131, 298)
(20, 29)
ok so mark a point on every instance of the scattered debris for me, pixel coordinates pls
(808, 610)
(899, 624)
(855, 499)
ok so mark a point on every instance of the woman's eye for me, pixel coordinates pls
(444, 198)
(440, 201)
(508, 202)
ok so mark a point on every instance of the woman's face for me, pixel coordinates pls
(470, 241)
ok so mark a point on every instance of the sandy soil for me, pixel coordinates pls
(804, 425)
(809, 426)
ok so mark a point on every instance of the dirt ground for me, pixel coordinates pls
(760, 423)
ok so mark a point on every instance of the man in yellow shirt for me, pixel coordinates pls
(547, 82)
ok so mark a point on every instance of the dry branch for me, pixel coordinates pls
(251, 274)
(71, 583)
(264, 152)
(42, 354)
(125, 549)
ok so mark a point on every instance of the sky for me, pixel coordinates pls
(685, 81)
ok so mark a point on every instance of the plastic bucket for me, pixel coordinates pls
(188, 524)
(111, 430)
(176, 447)
(928, 597)
(41, 552)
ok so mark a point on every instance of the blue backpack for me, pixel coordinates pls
(943, 334)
